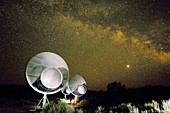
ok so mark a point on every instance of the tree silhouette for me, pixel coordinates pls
(115, 86)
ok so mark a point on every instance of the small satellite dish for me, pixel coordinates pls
(47, 73)
(76, 86)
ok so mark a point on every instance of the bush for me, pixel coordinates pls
(57, 107)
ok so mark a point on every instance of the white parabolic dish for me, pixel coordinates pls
(47, 73)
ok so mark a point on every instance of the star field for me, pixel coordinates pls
(119, 40)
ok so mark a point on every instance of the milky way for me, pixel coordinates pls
(102, 41)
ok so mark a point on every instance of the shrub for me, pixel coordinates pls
(57, 107)
(166, 106)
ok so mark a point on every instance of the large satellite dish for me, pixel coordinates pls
(76, 86)
(47, 73)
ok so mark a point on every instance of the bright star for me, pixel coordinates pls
(127, 66)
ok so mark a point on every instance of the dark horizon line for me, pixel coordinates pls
(1, 85)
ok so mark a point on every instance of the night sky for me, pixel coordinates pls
(103, 41)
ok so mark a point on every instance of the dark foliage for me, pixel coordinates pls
(115, 86)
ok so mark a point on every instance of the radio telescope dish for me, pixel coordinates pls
(76, 86)
(47, 73)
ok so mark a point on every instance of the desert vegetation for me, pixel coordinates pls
(150, 107)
